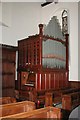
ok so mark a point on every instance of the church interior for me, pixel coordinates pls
(39, 63)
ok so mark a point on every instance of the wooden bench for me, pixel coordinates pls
(55, 96)
(18, 107)
(66, 103)
(70, 101)
(52, 95)
(47, 112)
(7, 100)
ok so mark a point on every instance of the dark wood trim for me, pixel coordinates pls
(67, 51)
(14, 48)
(55, 39)
(74, 84)
(45, 4)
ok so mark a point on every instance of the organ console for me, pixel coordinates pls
(43, 61)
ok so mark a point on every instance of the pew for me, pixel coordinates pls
(71, 100)
(7, 100)
(50, 96)
(55, 96)
(67, 103)
(47, 112)
(18, 107)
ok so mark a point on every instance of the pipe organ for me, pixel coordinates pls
(43, 61)
(53, 54)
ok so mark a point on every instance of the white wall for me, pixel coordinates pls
(79, 41)
(22, 20)
(0, 11)
(0, 22)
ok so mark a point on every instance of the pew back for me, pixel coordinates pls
(7, 100)
(70, 101)
(47, 112)
(18, 107)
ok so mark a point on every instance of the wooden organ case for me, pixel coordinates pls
(39, 68)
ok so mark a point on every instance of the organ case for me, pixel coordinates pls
(42, 64)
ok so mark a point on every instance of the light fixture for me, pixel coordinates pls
(48, 2)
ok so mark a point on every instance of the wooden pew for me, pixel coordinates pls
(55, 96)
(18, 107)
(70, 101)
(42, 97)
(49, 96)
(7, 100)
(66, 103)
(47, 112)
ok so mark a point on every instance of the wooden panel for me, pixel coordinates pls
(29, 51)
(47, 81)
(8, 92)
(57, 75)
(66, 76)
(39, 81)
(48, 99)
(51, 80)
(8, 69)
(7, 100)
(75, 84)
(8, 80)
(71, 100)
(43, 81)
